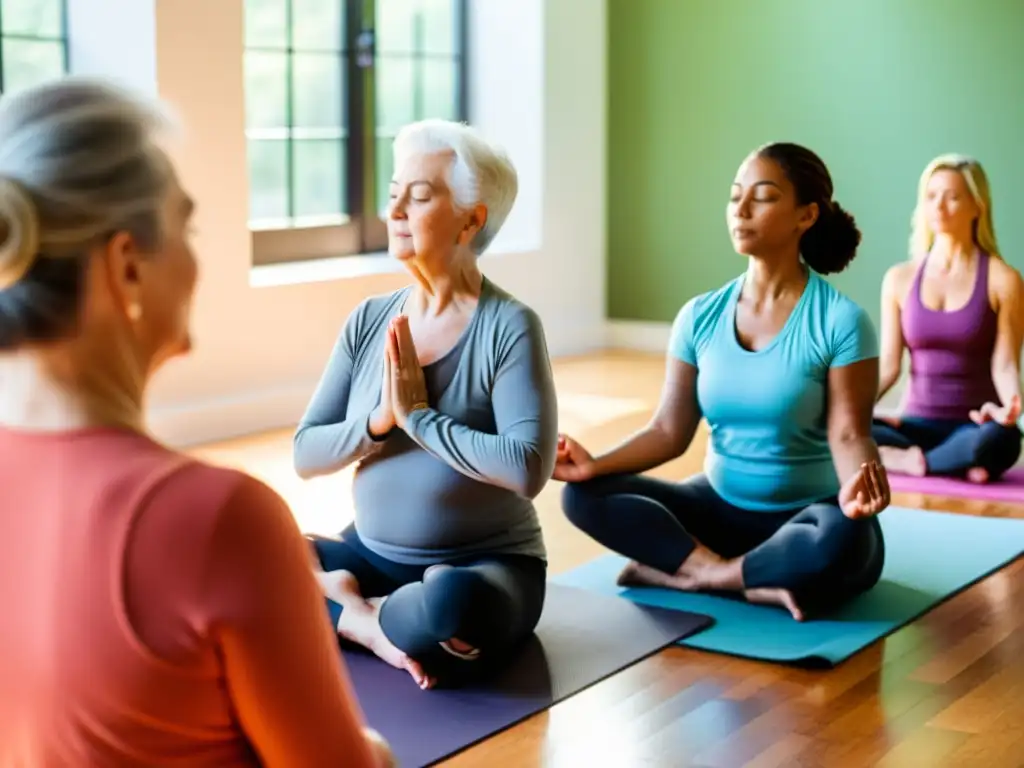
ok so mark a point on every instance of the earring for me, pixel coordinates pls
(134, 311)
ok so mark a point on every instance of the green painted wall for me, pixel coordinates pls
(877, 87)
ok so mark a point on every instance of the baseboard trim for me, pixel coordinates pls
(638, 335)
(192, 424)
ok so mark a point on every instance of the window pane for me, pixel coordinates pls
(318, 25)
(317, 90)
(268, 179)
(266, 23)
(396, 96)
(28, 62)
(439, 83)
(423, 26)
(266, 90)
(395, 29)
(43, 18)
(385, 168)
(439, 18)
(319, 177)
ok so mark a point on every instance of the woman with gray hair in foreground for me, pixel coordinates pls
(443, 395)
(141, 624)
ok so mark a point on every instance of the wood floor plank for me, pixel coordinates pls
(946, 690)
(999, 745)
(925, 746)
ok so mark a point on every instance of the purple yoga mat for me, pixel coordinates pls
(583, 637)
(1010, 487)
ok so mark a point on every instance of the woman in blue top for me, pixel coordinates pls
(784, 368)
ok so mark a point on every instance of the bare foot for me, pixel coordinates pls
(905, 461)
(781, 597)
(639, 575)
(977, 475)
(360, 623)
(703, 569)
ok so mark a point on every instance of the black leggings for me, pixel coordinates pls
(823, 557)
(953, 447)
(490, 603)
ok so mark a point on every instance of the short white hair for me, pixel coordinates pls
(480, 173)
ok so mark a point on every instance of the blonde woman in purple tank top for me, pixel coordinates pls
(956, 307)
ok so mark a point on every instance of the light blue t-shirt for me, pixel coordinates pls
(767, 410)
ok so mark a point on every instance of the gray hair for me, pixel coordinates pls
(480, 173)
(78, 162)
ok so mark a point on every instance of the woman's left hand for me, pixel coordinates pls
(408, 386)
(1006, 415)
(866, 493)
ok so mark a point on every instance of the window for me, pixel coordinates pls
(33, 42)
(327, 85)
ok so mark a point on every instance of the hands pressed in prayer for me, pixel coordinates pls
(382, 420)
(408, 385)
(866, 492)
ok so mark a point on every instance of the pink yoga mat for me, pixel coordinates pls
(1010, 487)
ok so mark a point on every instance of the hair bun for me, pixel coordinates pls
(19, 233)
(843, 227)
(831, 243)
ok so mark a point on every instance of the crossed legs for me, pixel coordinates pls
(444, 623)
(684, 536)
(979, 453)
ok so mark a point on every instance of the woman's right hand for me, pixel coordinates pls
(573, 463)
(382, 420)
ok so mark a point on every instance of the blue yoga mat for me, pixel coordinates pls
(930, 556)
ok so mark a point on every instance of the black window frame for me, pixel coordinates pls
(365, 231)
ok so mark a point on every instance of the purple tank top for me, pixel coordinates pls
(950, 352)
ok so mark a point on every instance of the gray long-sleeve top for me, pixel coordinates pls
(460, 479)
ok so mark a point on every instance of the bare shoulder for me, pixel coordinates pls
(899, 276)
(897, 279)
(1005, 280)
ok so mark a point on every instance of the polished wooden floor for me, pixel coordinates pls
(948, 690)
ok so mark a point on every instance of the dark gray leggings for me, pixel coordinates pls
(953, 447)
(823, 557)
(490, 603)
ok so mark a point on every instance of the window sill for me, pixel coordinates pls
(355, 266)
(323, 270)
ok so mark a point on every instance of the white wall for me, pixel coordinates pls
(262, 338)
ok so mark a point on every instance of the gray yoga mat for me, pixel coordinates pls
(583, 637)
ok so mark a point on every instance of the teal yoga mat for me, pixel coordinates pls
(930, 556)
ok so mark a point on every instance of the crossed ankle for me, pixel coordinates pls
(711, 571)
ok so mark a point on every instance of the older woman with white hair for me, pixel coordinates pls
(141, 625)
(443, 395)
